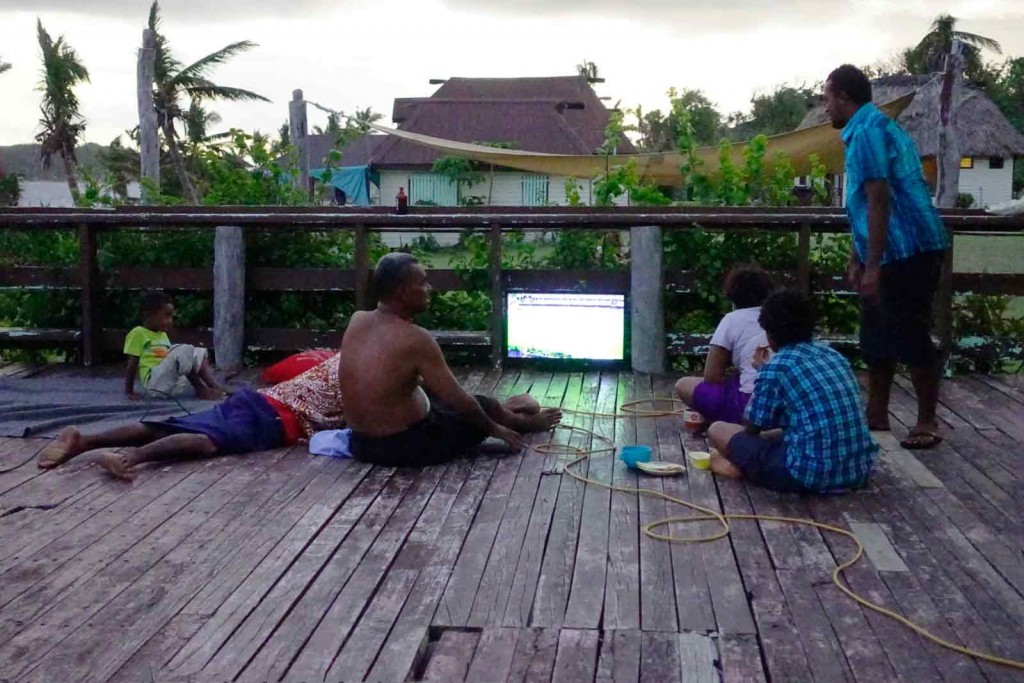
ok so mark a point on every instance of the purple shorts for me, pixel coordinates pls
(721, 402)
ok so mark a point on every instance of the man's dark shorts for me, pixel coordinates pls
(898, 328)
(763, 462)
(442, 436)
(242, 423)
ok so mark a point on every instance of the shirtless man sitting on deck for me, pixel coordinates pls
(404, 406)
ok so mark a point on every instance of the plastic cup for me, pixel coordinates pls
(631, 455)
(692, 420)
(700, 459)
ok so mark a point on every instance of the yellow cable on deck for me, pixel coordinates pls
(630, 411)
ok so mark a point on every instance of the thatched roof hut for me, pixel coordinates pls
(982, 129)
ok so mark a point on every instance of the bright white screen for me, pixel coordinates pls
(566, 326)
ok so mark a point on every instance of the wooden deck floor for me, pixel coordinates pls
(286, 566)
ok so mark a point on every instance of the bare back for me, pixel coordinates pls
(379, 376)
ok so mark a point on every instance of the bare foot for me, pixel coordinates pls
(544, 420)
(117, 464)
(67, 445)
(524, 404)
(208, 394)
(878, 421)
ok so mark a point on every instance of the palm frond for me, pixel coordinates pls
(210, 91)
(975, 40)
(202, 67)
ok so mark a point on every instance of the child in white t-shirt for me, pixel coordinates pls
(730, 369)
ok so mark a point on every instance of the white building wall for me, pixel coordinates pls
(988, 185)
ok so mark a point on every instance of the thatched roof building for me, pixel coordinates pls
(981, 128)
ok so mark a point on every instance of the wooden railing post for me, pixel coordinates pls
(803, 259)
(362, 267)
(497, 298)
(92, 292)
(229, 297)
(647, 299)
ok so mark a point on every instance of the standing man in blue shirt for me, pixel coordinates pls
(899, 244)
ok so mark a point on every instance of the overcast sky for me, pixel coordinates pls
(349, 53)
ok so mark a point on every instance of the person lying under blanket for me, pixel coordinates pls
(245, 422)
(405, 407)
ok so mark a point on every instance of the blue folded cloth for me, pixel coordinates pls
(332, 442)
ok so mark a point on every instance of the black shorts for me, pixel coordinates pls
(898, 328)
(763, 462)
(442, 436)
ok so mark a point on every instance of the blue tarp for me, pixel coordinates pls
(354, 181)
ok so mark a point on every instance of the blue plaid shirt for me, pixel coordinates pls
(809, 391)
(878, 149)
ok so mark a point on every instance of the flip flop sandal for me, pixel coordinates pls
(914, 442)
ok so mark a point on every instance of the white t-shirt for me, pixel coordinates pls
(741, 333)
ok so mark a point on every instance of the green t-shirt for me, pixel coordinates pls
(150, 347)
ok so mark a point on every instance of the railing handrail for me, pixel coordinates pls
(286, 218)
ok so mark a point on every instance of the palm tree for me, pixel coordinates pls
(588, 70)
(61, 120)
(928, 55)
(175, 82)
(364, 117)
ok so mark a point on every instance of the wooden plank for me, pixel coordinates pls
(90, 557)
(900, 645)
(527, 572)
(697, 657)
(956, 596)
(577, 656)
(19, 476)
(620, 656)
(265, 594)
(493, 593)
(285, 641)
(783, 652)
(657, 590)
(265, 508)
(586, 596)
(327, 639)
(553, 584)
(905, 460)
(360, 650)
(435, 556)
(622, 585)
(492, 660)
(741, 659)
(824, 651)
(150, 659)
(693, 594)
(451, 655)
(534, 658)
(659, 658)
(111, 596)
(878, 547)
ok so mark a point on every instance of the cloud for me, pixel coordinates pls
(721, 15)
(194, 9)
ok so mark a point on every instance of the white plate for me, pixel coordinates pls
(662, 469)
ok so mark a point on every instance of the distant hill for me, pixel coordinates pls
(24, 160)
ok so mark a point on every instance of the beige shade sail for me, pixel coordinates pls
(658, 168)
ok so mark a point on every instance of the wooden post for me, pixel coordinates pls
(647, 300)
(89, 279)
(948, 159)
(229, 297)
(149, 144)
(803, 259)
(298, 130)
(362, 267)
(497, 297)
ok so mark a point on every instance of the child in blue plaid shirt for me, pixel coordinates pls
(805, 429)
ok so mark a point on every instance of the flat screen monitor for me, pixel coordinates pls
(566, 327)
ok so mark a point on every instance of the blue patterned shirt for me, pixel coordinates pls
(809, 391)
(878, 149)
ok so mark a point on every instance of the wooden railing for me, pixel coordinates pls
(645, 273)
